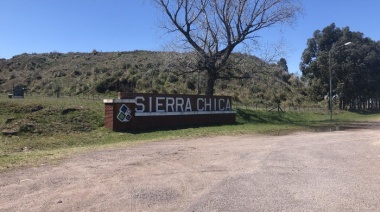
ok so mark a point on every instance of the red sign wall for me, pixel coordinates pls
(147, 111)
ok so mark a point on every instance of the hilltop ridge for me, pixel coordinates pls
(77, 73)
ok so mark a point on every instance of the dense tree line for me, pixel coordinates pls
(355, 68)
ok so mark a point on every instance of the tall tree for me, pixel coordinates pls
(213, 28)
(355, 68)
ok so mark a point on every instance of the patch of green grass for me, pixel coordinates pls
(65, 126)
(47, 116)
(303, 119)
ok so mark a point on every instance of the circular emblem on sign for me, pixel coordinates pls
(124, 114)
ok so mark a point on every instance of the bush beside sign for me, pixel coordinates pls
(149, 111)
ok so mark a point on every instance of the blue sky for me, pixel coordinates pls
(42, 26)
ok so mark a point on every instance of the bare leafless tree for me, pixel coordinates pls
(213, 28)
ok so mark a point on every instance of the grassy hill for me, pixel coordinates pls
(141, 71)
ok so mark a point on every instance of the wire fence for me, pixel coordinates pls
(281, 108)
(236, 105)
(63, 96)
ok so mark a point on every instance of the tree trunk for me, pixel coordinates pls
(210, 86)
(344, 104)
(210, 83)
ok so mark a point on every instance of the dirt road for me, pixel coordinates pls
(329, 171)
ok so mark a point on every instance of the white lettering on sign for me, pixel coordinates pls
(199, 100)
(159, 104)
(181, 106)
(170, 104)
(228, 105)
(208, 104)
(140, 107)
(150, 104)
(220, 104)
(188, 105)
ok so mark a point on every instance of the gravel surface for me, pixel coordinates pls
(327, 171)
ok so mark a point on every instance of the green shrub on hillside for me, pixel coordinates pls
(138, 71)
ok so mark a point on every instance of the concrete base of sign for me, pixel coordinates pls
(153, 111)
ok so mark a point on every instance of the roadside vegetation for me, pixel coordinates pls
(39, 130)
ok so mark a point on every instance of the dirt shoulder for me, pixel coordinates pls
(329, 171)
